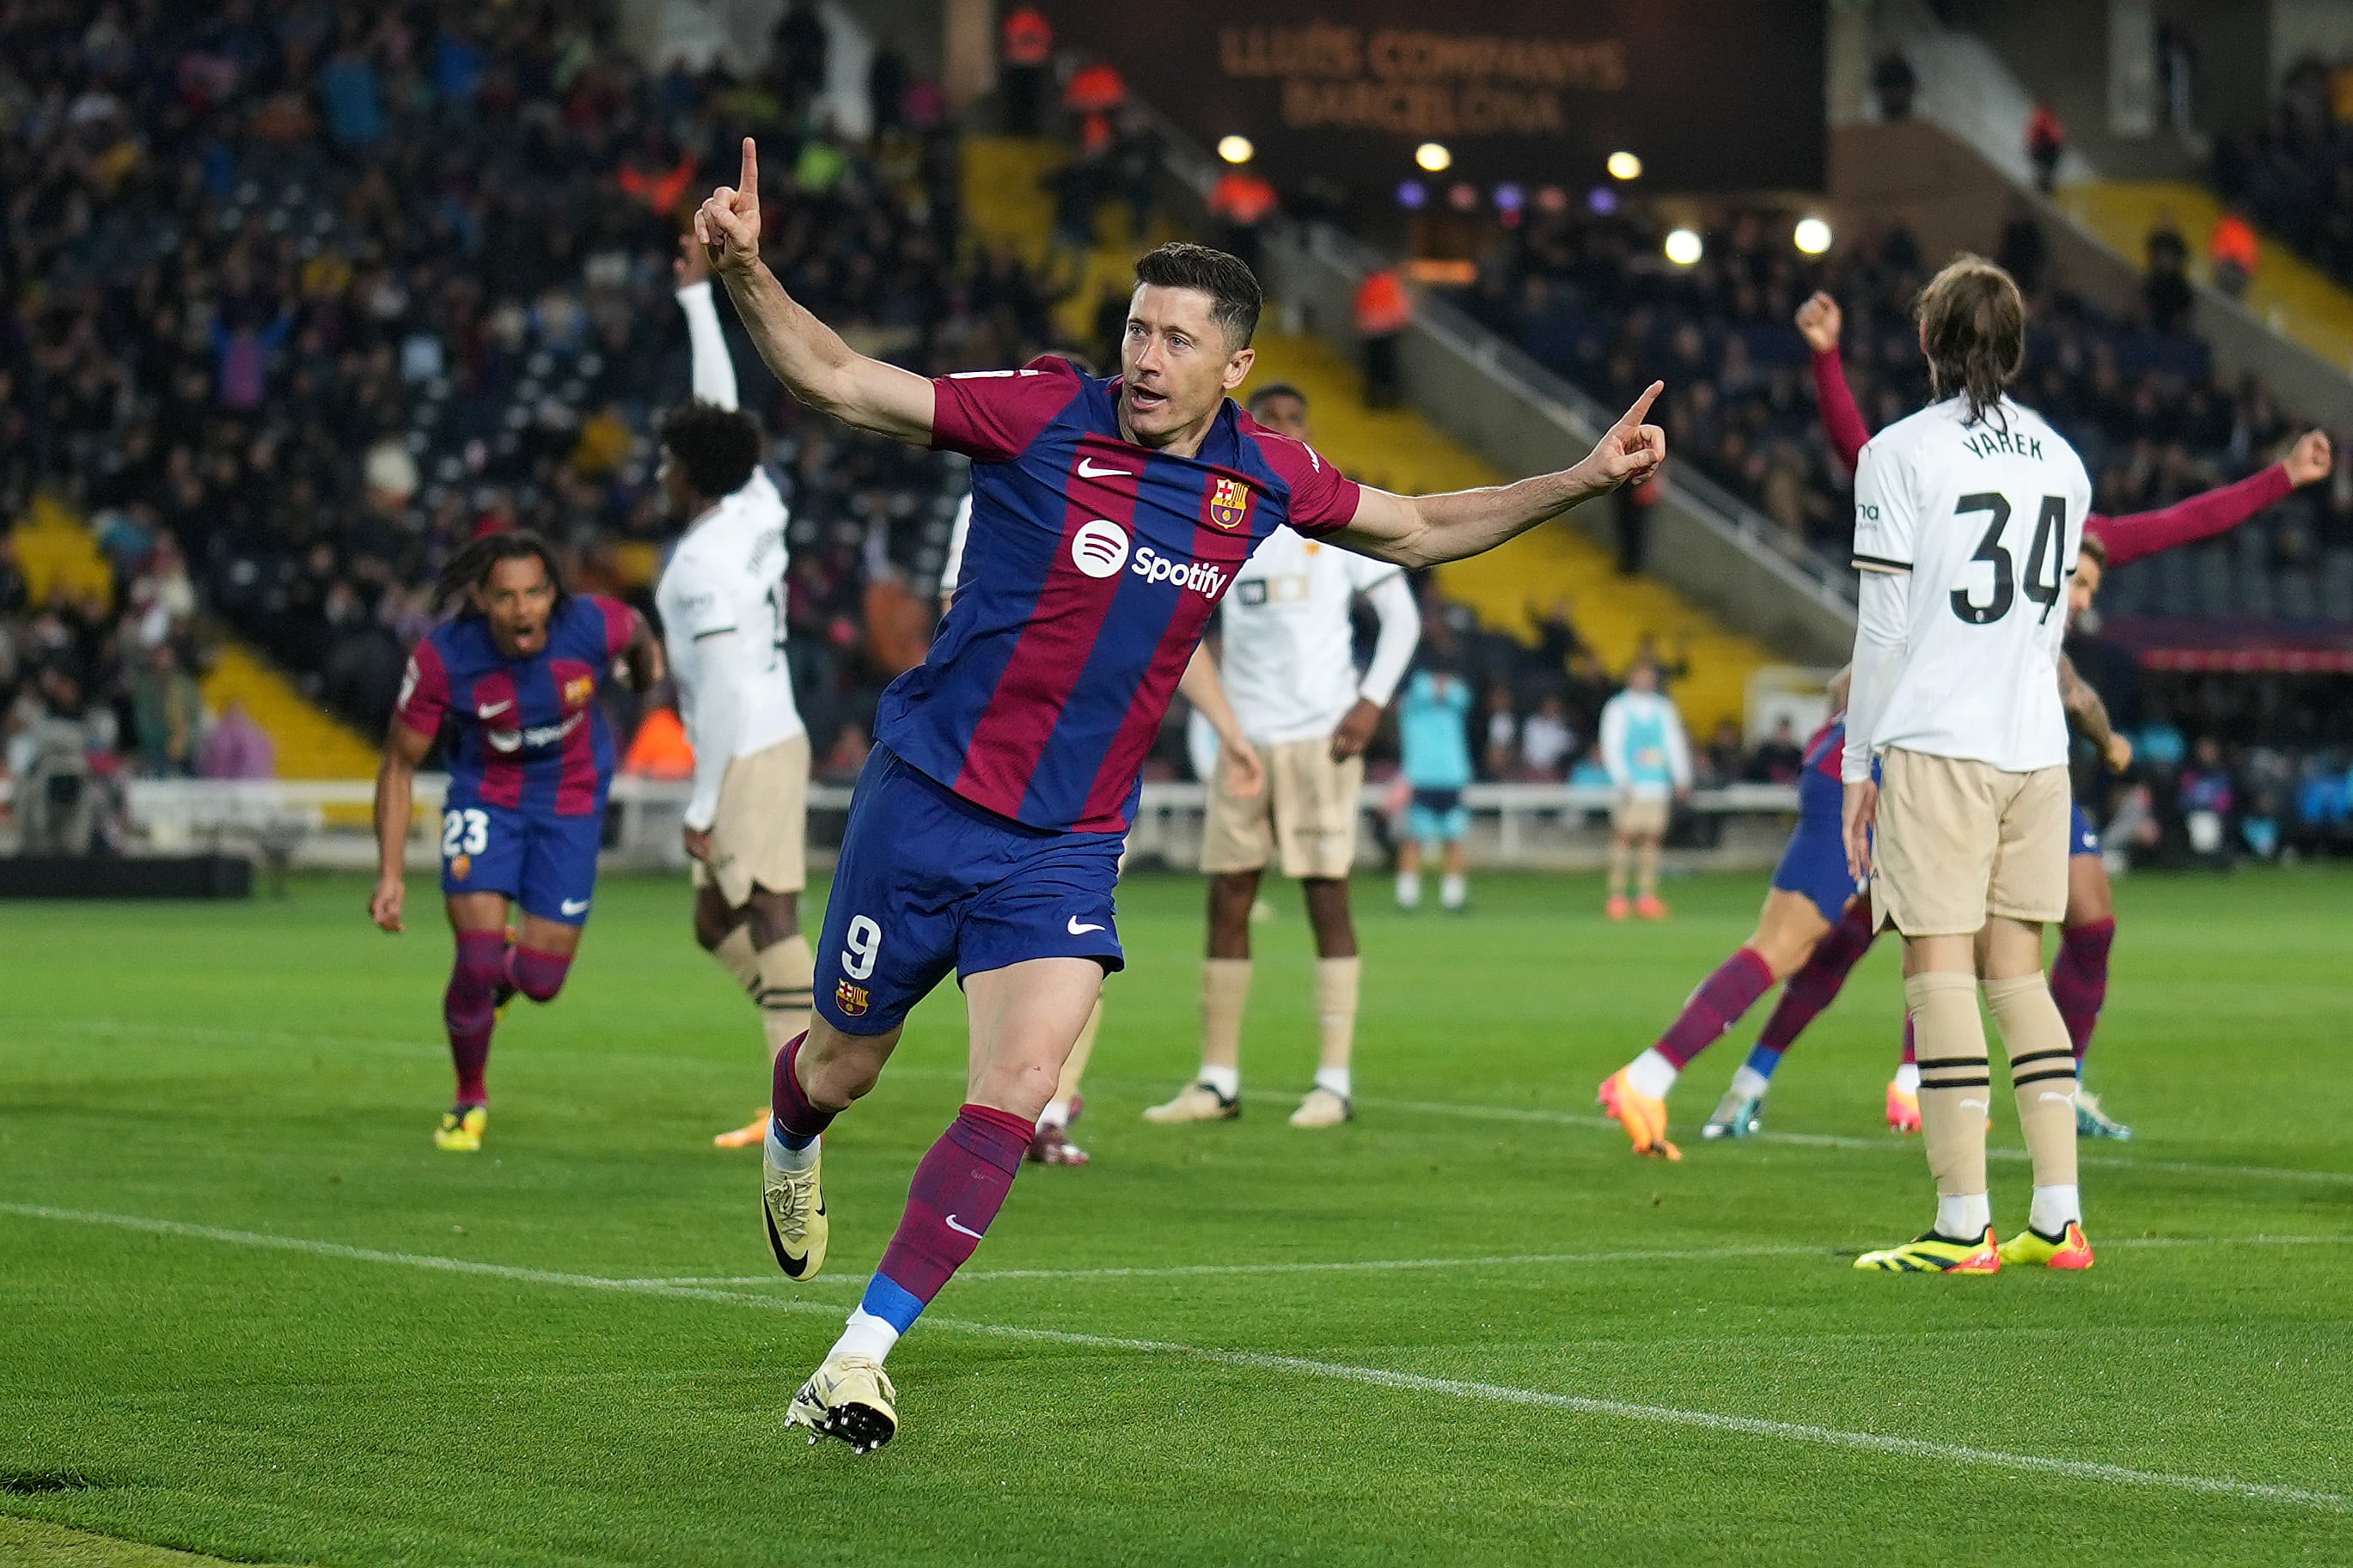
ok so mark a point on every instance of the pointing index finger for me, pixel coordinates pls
(748, 181)
(1642, 404)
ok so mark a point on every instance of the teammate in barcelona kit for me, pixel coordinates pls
(721, 603)
(510, 686)
(1289, 669)
(1968, 516)
(1109, 519)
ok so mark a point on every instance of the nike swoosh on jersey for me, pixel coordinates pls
(1088, 471)
(962, 1229)
(574, 906)
(1079, 929)
(493, 709)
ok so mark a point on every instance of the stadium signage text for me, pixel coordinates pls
(1420, 83)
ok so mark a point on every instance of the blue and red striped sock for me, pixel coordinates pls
(538, 976)
(469, 1008)
(958, 1188)
(1715, 1005)
(2079, 979)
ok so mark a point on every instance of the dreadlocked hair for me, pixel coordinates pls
(470, 568)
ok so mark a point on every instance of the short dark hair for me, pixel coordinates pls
(1275, 389)
(469, 567)
(1235, 296)
(1973, 326)
(717, 447)
(2095, 549)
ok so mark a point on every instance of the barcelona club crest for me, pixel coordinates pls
(850, 999)
(578, 690)
(461, 867)
(1229, 503)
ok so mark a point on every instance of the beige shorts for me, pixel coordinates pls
(1634, 815)
(761, 834)
(1307, 812)
(1960, 841)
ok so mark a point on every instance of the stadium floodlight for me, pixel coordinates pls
(1236, 149)
(1462, 196)
(1552, 199)
(1412, 194)
(1602, 200)
(1624, 166)
(1510, 198)
(1433, 158)
(1813, 235)
(1683, 246)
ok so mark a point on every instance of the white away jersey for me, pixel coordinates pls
(727, 574)
(1986, 518)
(1288, 661)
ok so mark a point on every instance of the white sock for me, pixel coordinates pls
(1452, 890)
(1408, 890)
(1227, 1082)
(1333, 1079)
(1964, 1218)
(1907, 1077)
(1652, 1074)
(1056, 1114)
(786, 1159)
(1747, 1081)
(2054, 1207)
(867, 1336)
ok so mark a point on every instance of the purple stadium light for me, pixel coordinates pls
(1602, 200)
(1510, 198)
(1412, 194)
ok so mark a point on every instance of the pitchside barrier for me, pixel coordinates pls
(323, 825)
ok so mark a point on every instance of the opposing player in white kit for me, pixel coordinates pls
(1288, 667)
(722, 601)
(1968, 516)
(1052, 1144)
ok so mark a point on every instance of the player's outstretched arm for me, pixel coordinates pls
(2217, 510)
(1425, 531)
(396, 780)
(1819, 323)
(807, 356)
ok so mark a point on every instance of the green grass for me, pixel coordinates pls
(271, 1069)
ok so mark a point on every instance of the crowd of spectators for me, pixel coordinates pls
(306, 296)
(2295, 172)
(1590, 295)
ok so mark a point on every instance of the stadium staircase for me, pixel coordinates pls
(56, 548)
(2291, 295)
(1005, 197)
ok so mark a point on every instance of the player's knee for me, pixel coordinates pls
(480, 963)
(539, 975)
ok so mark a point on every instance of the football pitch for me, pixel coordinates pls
(250, 1311)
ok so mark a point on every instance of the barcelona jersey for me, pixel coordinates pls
(527, 734)
(1091, 573)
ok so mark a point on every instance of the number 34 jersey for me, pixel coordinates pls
(722, 601)
(1985, 516)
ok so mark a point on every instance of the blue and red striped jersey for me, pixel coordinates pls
(527, 733)
(1090, 575)
(1825, 748)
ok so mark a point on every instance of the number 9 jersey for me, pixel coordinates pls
(1986, 517)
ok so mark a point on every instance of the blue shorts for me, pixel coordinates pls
(1814, 864)
(545, 862)
(1436, 816)
(2082, 838)
(929, 882)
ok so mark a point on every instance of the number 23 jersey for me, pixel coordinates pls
(722, 601)
(1986, 517)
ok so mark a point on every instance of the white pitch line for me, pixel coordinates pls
(1256, 1360)
(1833, 1141)
(1498, 1260)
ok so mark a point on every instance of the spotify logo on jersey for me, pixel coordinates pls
(1099, 549)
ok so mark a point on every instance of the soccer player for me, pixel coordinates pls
(1810, 911)
(1240, 772)
(1289, 669)
(721, 599)
(1434, 754)
(1643, 748)
(1108, 517)
(513, 678)
(2079, 976)
(1968, 515)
